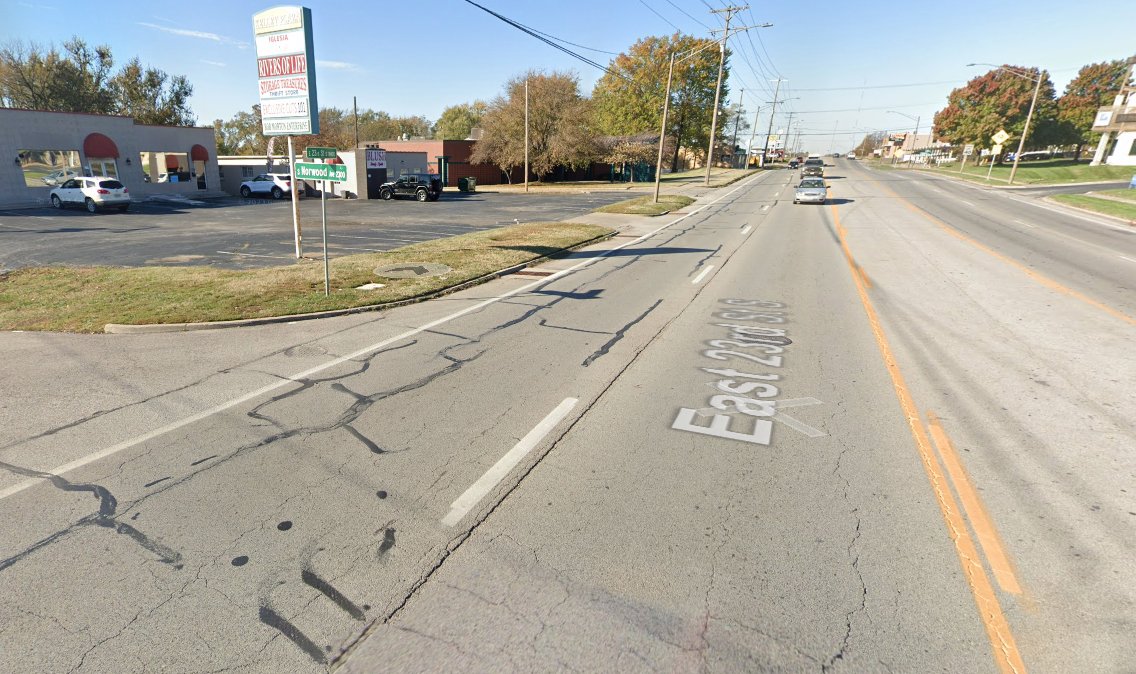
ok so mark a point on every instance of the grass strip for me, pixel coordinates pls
(1106, 206)
(84, 299)
(1127, 194)
(646, 205)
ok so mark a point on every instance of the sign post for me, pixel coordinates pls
(335, 173)
(966, 152)
(285, 62)
(994, 152)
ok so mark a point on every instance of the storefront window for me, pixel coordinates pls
(103, 168)
(48, 168)
(165, 167)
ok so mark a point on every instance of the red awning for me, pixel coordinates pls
(99, 146)
(199, 153)
(333, 160)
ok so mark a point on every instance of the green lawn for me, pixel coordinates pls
(84, 299)
(647, 206)
(1106, 206)
(1051, 172)
(1126, 194)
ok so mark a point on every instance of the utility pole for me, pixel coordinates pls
(663, 130)
(526, 134)
(355, 106)
(789, 133)
(772, 114)
(737, 123)
(729, 12)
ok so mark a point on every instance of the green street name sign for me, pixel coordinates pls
(321, 153)
(336, 173)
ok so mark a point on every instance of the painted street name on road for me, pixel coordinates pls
(744, 392)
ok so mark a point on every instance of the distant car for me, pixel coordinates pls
(793, 163)
(61, 176)
(814, 166)
(421, 186)
(850, 155)
(275, 184)
(92, 194)
(811, 190)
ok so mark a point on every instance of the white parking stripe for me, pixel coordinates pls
(701, 276)
(497, 472)
(746, 229)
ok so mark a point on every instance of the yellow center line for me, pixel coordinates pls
(976, 513)
(1040, 278)
(1005, 648)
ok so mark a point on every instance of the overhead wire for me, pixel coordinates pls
(656, 13)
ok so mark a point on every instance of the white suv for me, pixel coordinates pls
(91, 193)
(276, 184)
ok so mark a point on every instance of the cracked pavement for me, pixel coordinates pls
(272, 498)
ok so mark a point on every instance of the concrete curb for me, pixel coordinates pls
(1088, 211)
(153, 328)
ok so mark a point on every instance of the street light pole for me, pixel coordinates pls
(729, 12)
(1025, 129)
(772, 114)
(663, 130)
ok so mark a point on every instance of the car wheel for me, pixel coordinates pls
(56, 202)
(277, 193)
(245, 191)
(91, 207)
(422, 195)
(124, 208)
(385, 194)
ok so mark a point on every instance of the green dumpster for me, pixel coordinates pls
(471, 184)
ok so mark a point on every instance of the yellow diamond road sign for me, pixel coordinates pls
(1001, 137)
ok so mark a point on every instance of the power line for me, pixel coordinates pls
(550, 43)
(644, 3)
(601, 51)
(883, 86)
(684, 12)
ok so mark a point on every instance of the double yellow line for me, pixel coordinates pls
(1006, 653)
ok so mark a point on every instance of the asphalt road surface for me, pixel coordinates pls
(245, 233)
(891, 433)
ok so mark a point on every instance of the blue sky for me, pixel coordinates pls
(843, 59)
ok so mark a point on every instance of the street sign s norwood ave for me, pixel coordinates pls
(336, 173)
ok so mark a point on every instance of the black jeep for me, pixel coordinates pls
(421, 186)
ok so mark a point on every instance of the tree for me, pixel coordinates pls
(80, 79)
(629, 99)
(560, 130)
(871, 143)
(1000, 100)
(457, 121)
(241, 134)
(151, 96)
(1094, 87)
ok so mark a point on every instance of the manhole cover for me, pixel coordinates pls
(305, 351)
(412, 270)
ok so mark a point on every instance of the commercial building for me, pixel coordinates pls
(37, 148)
(1117, 126)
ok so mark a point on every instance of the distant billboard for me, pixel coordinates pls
(286, 77)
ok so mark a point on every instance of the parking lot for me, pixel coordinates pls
(240, 233)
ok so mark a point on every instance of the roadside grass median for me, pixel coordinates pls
(1126, 194)
(1113, 207)
(85, 299)
(1049, 172)
(647, 206)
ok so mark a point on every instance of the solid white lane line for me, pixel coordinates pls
(497, 472)
(701, 276)
(300, 376)
(746, 229)
(1122, 257)
(274, 257)
(967, 203)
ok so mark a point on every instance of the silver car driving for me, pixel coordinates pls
(811, 190)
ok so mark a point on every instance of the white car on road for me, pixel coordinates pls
(275, 184)
(92, 194)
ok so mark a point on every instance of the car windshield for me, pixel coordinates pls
(808, 184)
